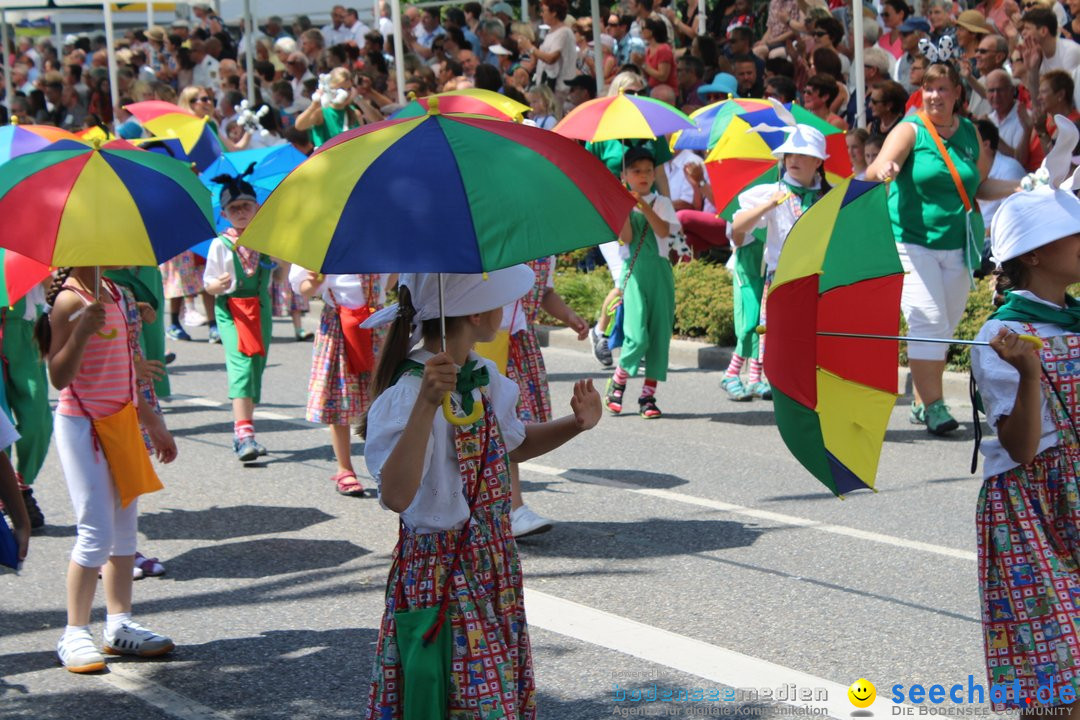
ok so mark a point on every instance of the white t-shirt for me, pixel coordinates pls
(679, 187)
(565, 68)
(1010, 129)
(777, 222)
(348, 290)
(205, 73)
(617, 255)
(219, 259)
(998, 382)
(1004, 168)
(439, 503)
(336, 36)
(1066, 57)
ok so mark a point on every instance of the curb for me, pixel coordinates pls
(689, 353)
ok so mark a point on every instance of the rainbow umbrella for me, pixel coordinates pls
(472, 101)
(487, 194)
(18, 275)
(16, 140)
(77, 204)
(178, 133)
(272, 164)
(711, 121)
(741, 154)
(838, 273)
(622, 117)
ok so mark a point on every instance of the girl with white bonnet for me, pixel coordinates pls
(1028, 515)
(455, 575)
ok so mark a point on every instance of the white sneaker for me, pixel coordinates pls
(192, 318)
(524, 521)
(134, 639)
(78, 653)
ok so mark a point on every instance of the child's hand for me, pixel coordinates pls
(91, 320)
(146, 312)
(440, 377)
(1019, 353)
(575, 323)
(586, 405)
(149, 370)
(217, 286)
(162, 440)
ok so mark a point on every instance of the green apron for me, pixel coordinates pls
(748, 284)
(145, 284)
(245, 371)
(648, 305)
(27, 392)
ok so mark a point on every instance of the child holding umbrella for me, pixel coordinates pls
(240, 279)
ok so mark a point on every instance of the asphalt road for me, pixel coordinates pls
(691, 552)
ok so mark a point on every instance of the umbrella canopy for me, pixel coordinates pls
(741, 154)
(18, 140)
(18, 275)
(272, 164)
(178, 133)
(472, 101)
(439, 193)
(711, 121)
(78, 204)
(838, 272)
(621, 117)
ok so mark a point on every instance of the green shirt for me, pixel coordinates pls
(924, 204)
(333, 124)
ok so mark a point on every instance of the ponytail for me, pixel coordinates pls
(42, 328)
(395, 350)
(825, 186)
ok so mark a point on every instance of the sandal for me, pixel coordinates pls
(149, 566)
(347, 484)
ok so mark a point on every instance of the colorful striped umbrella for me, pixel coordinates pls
(18, 275)
(621, 117)
(16, 140)
(439, 193)
(272, 164)
(711, 121)
(838, 272)
(78, 204)
(178, 133)
(472, 101)
(742, 154)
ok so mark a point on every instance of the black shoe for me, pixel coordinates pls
(37, 518)
(170, 357)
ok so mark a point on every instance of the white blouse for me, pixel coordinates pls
(998, 382)
(348, 290)
(777, 222)
(439, 503)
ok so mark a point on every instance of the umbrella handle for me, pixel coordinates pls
(448, 413)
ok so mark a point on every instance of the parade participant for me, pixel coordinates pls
(85, 339)
(10, 495)
(285, 302)
(1030, 497)
(774, 208)
(26, 392)
(647, 287)
(342, 359)
(938, 165)
(454, 499)
(240, 279)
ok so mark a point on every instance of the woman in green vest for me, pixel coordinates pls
(938, 229)
(335, 107)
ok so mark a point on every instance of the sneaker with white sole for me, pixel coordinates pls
(601, 351)
(523, 521)
(78, 653)
(134, 639)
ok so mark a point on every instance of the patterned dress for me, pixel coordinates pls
(525, 363)
(336, 395)
(182, 276)
(491, 668)
(1029, 549)
(285, 301)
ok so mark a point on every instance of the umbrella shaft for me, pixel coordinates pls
(904, 338)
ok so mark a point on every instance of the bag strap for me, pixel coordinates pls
(929, 125)
(637, 250)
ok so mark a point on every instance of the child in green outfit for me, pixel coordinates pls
(648, 287)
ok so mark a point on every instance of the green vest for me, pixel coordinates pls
(333, 124)
(924, 204)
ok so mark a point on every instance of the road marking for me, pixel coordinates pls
(200, 401)
(770, 516)
(168, 701)
(267, 415)
(682, 653)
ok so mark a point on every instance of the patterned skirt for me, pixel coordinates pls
(284, 302)
(336, 395)
(1029, 548)
(182, 276)
(525, 366)
(491, 672)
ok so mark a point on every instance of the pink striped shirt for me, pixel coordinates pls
(105, 382)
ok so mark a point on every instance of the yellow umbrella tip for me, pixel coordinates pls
(14, 119)
(433, 105)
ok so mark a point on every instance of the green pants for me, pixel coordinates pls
(152, 337)
(648, 315)
(244, 371)
(27, 390)
(748, 285)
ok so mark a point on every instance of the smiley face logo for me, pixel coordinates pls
(862, 693)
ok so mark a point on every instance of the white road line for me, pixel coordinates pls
(781, 518)
(168, 701)
(267, 415)
(711, 662)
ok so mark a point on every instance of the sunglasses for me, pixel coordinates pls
(204, 98)
(820, 33)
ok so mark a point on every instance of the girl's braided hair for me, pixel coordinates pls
(42, 328)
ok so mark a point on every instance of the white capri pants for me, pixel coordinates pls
(104, 528)
(614, 259)
(936, 286)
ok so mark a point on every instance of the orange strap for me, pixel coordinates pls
(929, 125)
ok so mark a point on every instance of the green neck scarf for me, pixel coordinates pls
(1018, 308)
(471, 376)
(806, 195)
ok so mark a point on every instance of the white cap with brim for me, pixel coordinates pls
(803, 140)
(1032, 218)
(462, 295)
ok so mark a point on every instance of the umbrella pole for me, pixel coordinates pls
(442, 317)
(249, 52)
(97, 282)
(110, 43)
(858, 65)
(399, 50)
(906, 338)
(598, 47)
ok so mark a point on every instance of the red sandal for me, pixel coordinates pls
(347, 484)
